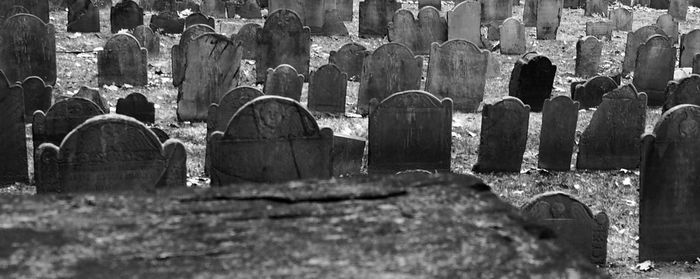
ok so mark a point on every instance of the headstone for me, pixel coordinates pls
(391, 68)
(83, 16)
(690, 45)
(576, 4)
(611, 140)
(573, 223)
(683, 91)
(93, 94)
(199, 18)
(375, 15)
(548, 18)
(37, 96)
(32, 51)
(599, 29)
(503, 136)
(13, 144)
(634, 40)
(597, 8)
(125, 15)
(148, 40)
(430, 3)
(249, 10)
(175, 5)
(530, 13)
(110, 153)
(162, 136)
(532, 80)
(39, 8)
(513, 40)
(122, 61)
(347, 155)
(656, 60)
(345, 8)
(669, 26)
(179, 51)
(558, 132)
(410, 130)
(590, 93)
(283, 40)
(167, 23)
(418, 34)
(493, 13)
(137, 106)
(464, 21)
(327, 89)
(457, 69)
(53, 125)
(622, 19)
(678, 9)
(247, 36)
(214, 8)
(333, 25)
(284, 81)
(270, 139)
(696, 63)
(349, 59)
(659, 4)
(314, 13)
(588, 53)
(297, 6)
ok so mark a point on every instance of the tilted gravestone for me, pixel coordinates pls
(13, 146)
(284, 81)
(410, 130)
(611, 140)
(53, 125)
(513, 37)
(437, 4)
(148, 40)
(418, 34)
(125, 15)
(548, 19)
(122, 61)
(37, 96)
(588, 53)
(668, 223)
(39, 8)
(532, 80)
(683, 91)
(214, 8)
(83, 16)
(678, 9)
(199, 18)
(137, 106)
(530, 13)
(493, 13)
(93, 94)
(247, 35)
(590, 93)
(282, 40)
(28, 49)
(464, 21)
(328, 89)
(457, 69)
(573, 223)
(345, 8)
(503, 136)
(558, 132)
(597, 8)
(634, 40)
(110, 153)
(179, 51)
(389, 69)
(656, 60)
(349, 58)
(669, 26)
(375, 15)
(347, 155)
(167, 23)
(270, 139)
(602, 30)
(690, 45)
(622, 19)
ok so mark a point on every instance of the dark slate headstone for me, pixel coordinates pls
(678, 9)
(683, 91)
(37, 96)
(349, 58)
(669, 26)
(93, 94)
(418, 34)
(199, 18)
(270, 139)
(457, 69)
(659, 4)
(283, 40)
(532, 80)
(588, 53)
(345, 8)
(53, 125)
(503, 136)
(137, 106)
(375, 15)
(530, 13)
(39, 8)
(249, 9)
(622, 19)
(590, 93)
(28, 49)
(611, 140)
(391, 68)
(512, 37)
(83, 16)
(125, 15)
(174, 5)
(573, 223)
(327, 89)
(333, 25)
(410, 130)
(430, 3)
(548, 18)
(178, 53)
(148, 40)
(668, 211)
(558, 132)
(690, 45)
(314, 13)
(696, 63)
(296, 6)
(464, 21)
(167, 23)
(122, 61)
(284, 81)
(247, 36)
(13, 142)
(162, 135)
(597, 8)
(634, 40)
(347, 155)
(214, 8)
(110, 153)
(656, 60)
(599, 29)
(575, 4)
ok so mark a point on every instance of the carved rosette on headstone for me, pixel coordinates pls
(503, 136)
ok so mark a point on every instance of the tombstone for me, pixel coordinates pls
(349, 58)
(622, 19)
(532, 80)
(599, 29)
(557, 135)
(503, 136)
(597, 8)
(457, 70)
(410, 130)
(137, 106)
(344, 9)
(249, 10)
(668, 227)
(690, 45)
(634, 40)
(54, 124)
(162, 136)
(588, 53)
(430, 3)
(247, 36)
(347, 155)
(656, 60)
(683, 91)
(375, 15)
(263, 143)
(38, 8)
(37, 96)
(696, 64)
(110, 153)
(464, 21)
(167, 23)
(32, 51)
(175, 5)
(678, 9)
(493, 13)
(391, 68)
(179, 51)
(669, 26)
(13, 146)
(611, 140)
(548, 18)
(199, 18)
(148, 40)
(93, 94)
(214, 8)
(575, 4)
(513, 40)
(659, 4)
(418, 34)
(327, 89)
(530, 13)
(573, 222)
(83, 16)
(284, 81)
(314, 15)
(282, 40)
(212, 68)
(333, 25)
(296, 6)
(122, 61)
(590, 93)
(125, 15)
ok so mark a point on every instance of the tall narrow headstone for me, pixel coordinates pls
(37, 96)
(53, 125)
(28, 48)
(464, 22)
(557, 136)
(622, 19)
(503, 136)
(588, 53)
(590, 93)
(122, 61)
(214, 8)
(148, 40)
(283, 40)
(670, 27)
(247, 35)
(690, 45)
(375, 15)
(548, 19)
(179, 51)
(125, 15)
(13, 144)
(345, 8)
(678, 9)
(683, 91)
(328, 89)
(513, 37)
(634, 40)
(349, 59)
(83, 16)
(530, 13)
(284, 81)
(137, 106)
(532, 80)
(656, 61)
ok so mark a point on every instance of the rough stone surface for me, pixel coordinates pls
(375, 15)
(600, 29)
(678, 9)
(214, 8)
(39, 8)
(284, 81)
(148, 40)
(418, 34)
(530, 13)
(532, 80)
(622, 19)
(349, 58)
(247, 35)
(13, 146)
(93, 94)
(590, 92)
(136, 105)
(333, 25)
(32, 51)
(328, 89)
(464, 21)
(588, 53)
(690, 46)
(283, 40)
(503, 136)
(558, 132)
(53, 125)
(683, 91)
(513, 39)
(634, 40)
(347, 155)
(178, 53)
(83, 16)
(125, 15)
(656, 60)
(122, 61)
(199, 18)
(548, 19)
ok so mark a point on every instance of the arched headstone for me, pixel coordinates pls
(375, 15)
(179, 51)
(137, 106)
(125, 15)
(83, 16)
(327, 89)
(683, 91)
(122, 61)
(247, 36)
(513, 40)
(503, 136)
(464, 21)
(37, 96)
(590, 93)
(634, 40)
(349, 58)
(670, 27)
(148, 40)
(28, 49)
(532, 80)
(284, 81)
(167, 23)
(418, 34)
(283, 40)
(199, 18)
(53, 125)
(622, 19)
(588, 53)
(39, 8)
(656, 61)
(690, 45)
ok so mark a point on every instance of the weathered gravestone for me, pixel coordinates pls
(174, 5)
(668, 224)
(220, 113)
(513, 37)
(659, 4)
(464, 22)
(53, 125)
(211, 68)
(532, 80)
(215, 8)
(690, 46)
(110, 153)
(588, 53)
(656, 60)
(634, 40)
(83, 16)
(683, 91)
(493, 13)
(333, 25)
(28, 48)
(122, 61)
(249, 9)
(284, 81)
(678, 9)
(37, 96)
(670, 27)
(575, 4)
(93, 94)
(13, 144)
(573, 223)
(457, 69)
(558, 132)
(162, 136)
(418, 34)
(375, 15)
(611, 140)
(297, 6)
(696, 64)
(410, 130)
(599, 29)
(314, 15)
(199, 18)
(597, 8)
(389, 69)
(430, 3)
(622, 19)
(167, 23)
(503, 136)
(125, 15)
(347, 155)
(137, 106)
(39, 8)
(282, 40)
(530, 13)
(349, 58)
(148, 40)
(328, 89)
(590, 93)
(247, 35)
(179, 51)
(548, 19)
(344, 8)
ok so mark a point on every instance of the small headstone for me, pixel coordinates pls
(683, 91)
(678, 9)
(125, 15)
(530, 13)
(349, 58)
(13, 144)
(122, 61)
(333, 25)
(634, 40)
(345, 9)
(148, 40)
(247, 35)
(284, 81)
(83, 16)
(28, 49)
(249, 10)
(588, 53)
(347, 155)
(418, 34)
(656, 60)
(53, 125)
(669, 26)
(599, 29)
(39, 8)
(622, 19)
(137, 106)
(283, 40)
(532, 80)
(558, 132)
(464, 21)
(493, 13)
(214, 8)
(93, 94)
(327, 89)
(513, 39)
(430, 3)
(548, 18)
(590, 93)
(167, 23)
(179, 51)
(658, 4)
(375, 15)
(503, 136)
(199, 18)
(596, 8)
(37, 96)
(690, 45)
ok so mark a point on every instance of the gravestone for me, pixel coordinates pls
(162, 136)
(696, 64)
(175, 5)
(39, 8)
(599, 29)
(122, 61)
(532, 80)
(634, 40)
(418, 34)
(333, 25)
(249, 10)
(596, 8)
(678, 9)
(179, 51)
(410, 130)
(590, 93)
(437, 4)
(282, 40)
(668, 227)
(347, 155)
(148, 40)
(167, 23)
(137, 106)
(659, 4)
(349, 58)
(297, 6)
(125, 15)
(328, 89)
(264, 142)
(457, 70)
(548, 19)
(573, 223)
(690, 45)
(669, 26)
(656, 60)
(683, 91)
(611, 140)
(32, 51)
(557, 136)
(199, 18)
(389, 69)
(576, 4)
(13, 143)
(37, 96)
(493, 13)
(588, 53)
(83, 16)
(622, 19)
(375, 15)
(53, 125)
(247, 36)
(110, 153)
(503, 136)
(284, 81)
(344, 9)
(464, 21)
(530, 13)
(314, 15)
(513, 40)
(214, 8)
(93, 94)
